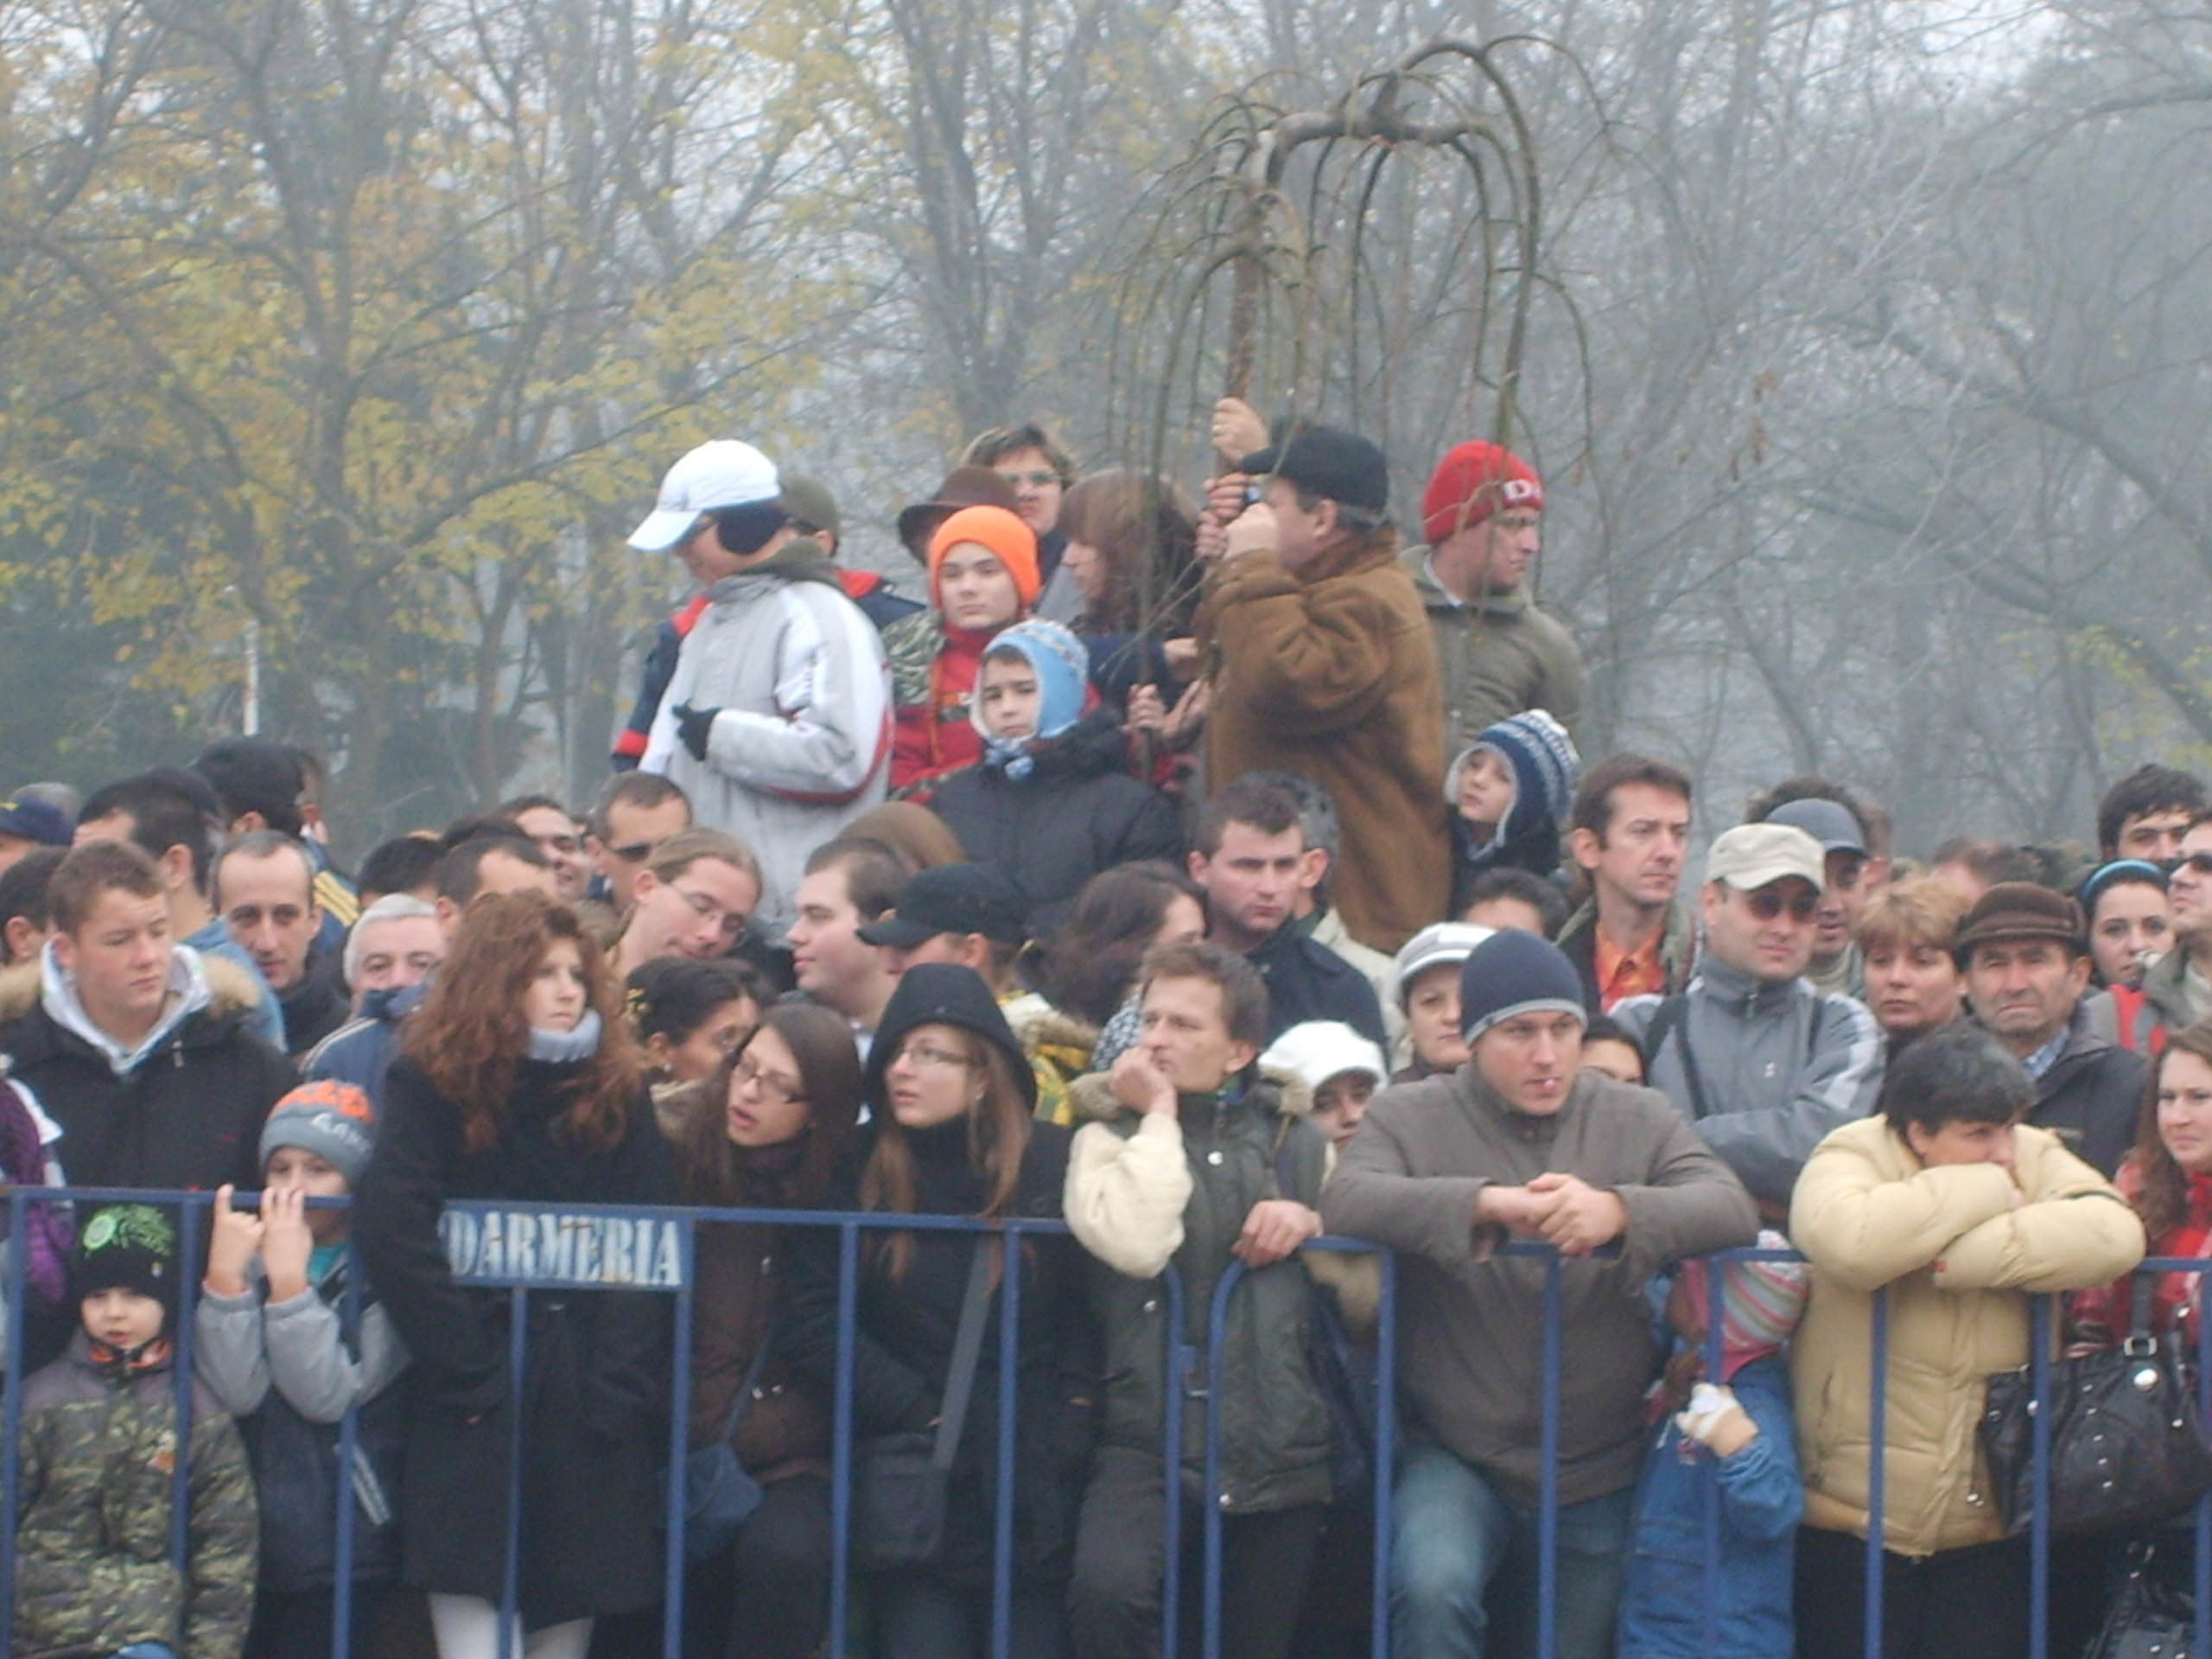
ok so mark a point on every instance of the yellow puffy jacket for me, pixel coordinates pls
(1961, 1262)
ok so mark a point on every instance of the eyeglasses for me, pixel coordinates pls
(731, 922)
(636, 852)
(780, 1089)
(1034, 480)
(1766, 904)
(930, 1054)
(2199, 863)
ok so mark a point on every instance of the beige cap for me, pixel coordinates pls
(1752, 854)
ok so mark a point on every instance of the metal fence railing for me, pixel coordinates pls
(522, 1250)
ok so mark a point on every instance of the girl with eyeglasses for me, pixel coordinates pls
(951, 1133)
(518, 1080)
(767, 1131)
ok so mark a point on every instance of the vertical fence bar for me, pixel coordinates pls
(341, 1575)
(2039, 1315)
(1216, 1324)
(1178, 1359)
(1876, 1428)
(1548, 1488)
(11, 1405)
(1009, 1381)
(1716, 1320)
(1386, 1449)
(2203, 1551)
(181, 1349)
(511, 1571)
(679, 1444)
(841, 1436)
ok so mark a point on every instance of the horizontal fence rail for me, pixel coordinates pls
(523, 1249)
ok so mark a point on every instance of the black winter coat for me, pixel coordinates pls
(189, 1116)
(2092, 1097)
(596, 1376)
(1079, 813)
(903, 1351)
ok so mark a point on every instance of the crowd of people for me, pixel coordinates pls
(1206, 882)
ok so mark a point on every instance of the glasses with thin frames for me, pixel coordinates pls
(930, 1054)
(781, 1091)
(1766, 904)
(1033, 481)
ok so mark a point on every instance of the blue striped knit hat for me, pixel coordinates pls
(1545, 768)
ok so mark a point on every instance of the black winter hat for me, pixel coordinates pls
(1514, 973)
(127, 1246)
(954, 898)
(1328, 462)
(943, 994)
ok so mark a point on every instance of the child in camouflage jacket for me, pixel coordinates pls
(99, 1447)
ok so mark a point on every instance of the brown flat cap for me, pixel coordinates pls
(963, 486)
(2020, 910)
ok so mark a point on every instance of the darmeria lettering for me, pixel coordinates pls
(561, 1249)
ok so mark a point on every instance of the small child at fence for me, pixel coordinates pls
(99, 1449)
(271, 1344)
(1738, 1438)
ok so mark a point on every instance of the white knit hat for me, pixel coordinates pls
(1317, 1050)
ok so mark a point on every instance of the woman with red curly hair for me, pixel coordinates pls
(518, 1079)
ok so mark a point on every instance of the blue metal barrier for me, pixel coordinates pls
(527, 1249)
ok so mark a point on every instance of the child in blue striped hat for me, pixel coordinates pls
(1509, 792)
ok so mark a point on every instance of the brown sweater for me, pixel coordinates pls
(1330, 673)
(1470, 1322)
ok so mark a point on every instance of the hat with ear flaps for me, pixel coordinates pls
(1062, 666)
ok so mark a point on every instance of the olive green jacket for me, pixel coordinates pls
(1499, 656)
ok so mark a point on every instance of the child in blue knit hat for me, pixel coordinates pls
(1509, 792)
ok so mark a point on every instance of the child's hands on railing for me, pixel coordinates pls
(286, 1244)
(232, 1245)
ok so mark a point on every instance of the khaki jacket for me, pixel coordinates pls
(1961, 1262)
(1499, 656)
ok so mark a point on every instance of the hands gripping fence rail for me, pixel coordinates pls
(529, 1249)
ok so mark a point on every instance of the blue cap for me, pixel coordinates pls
(34, 820)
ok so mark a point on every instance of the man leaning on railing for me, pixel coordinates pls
(1521, 1143)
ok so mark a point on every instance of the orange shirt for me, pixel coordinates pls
(1622, 973)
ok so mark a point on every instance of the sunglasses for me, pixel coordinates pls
(635, 853)
(2200, 862)
(1766, 904)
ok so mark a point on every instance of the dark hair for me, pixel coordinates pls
(1990, 862)
(400, 865)
(673, 997)
(470, 1034)
(1267, 807)
(513, 810)
(460, 874)
(2150, 788)
(1134, 522)
(711, 1171)
(253, 774)
(481, 826)
(1873, 822)
(1509, 882)
(988, 448)
(1603, 1028)
(2164, 1202)
(96, 867)
(873, 877)
(2120, 873)
(1087, 966)
(1243, 993)
(1593, 797)
(643, 790)
(1955, 1074)
(168, 807)
(23, 890)
(267, 843)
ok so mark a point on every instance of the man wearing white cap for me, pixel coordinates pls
(1760, 1062)
(778, 722)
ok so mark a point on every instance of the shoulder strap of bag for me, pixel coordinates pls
(745, 1388)
(967, 1349)
(1813, 1027)
(1671, 1019)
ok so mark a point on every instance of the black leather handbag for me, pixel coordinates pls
(900, 1480)
(2127, 1448)
(2148, 1619)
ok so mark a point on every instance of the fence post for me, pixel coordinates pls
(341, 1576)
(510, 1583)
(1547, 1487)
(1009, 1381)
(841, 1434)
(1216, 1325)
(1177, 1358)
(181, 1347)
(679, 1445)
(1876, 1428)
(1386, 1438)
(2039, 1314)
(11, 1468)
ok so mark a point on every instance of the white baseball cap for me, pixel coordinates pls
(723, 473)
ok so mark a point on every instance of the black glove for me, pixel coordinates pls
(692, 725)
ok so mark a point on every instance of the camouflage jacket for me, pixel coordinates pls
(92, 1569)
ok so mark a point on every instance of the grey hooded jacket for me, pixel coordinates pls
(1771, 1069)
(802, 746)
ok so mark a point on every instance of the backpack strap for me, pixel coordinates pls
(1672, 1018)
(1813, 1031)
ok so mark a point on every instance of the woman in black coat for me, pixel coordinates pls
(952, 1134)
(769, 1131)
(518, 1080)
